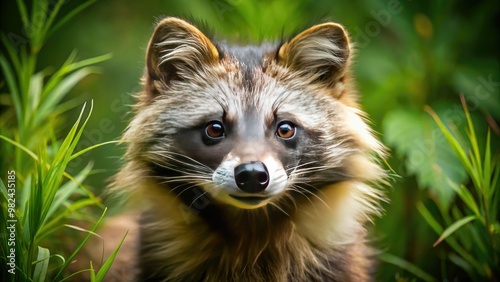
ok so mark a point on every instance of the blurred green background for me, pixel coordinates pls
(409, 54)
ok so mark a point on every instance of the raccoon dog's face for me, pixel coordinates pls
(250, 126)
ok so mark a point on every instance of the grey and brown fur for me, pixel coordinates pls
(190, 229)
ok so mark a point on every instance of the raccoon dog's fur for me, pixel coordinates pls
(251, 163)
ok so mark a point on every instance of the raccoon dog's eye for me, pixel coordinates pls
(214, 130)
(286, 130)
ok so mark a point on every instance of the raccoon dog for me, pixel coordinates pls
(251, 163)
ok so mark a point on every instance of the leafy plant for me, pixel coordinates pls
(38, 197)
(472, 224)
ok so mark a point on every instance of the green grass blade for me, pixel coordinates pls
(20, 146)
(14, 90)
(78, 228)
(12, 52)
(487, 170)
(3, 189)
(41, 265)
(70, 15)
(107, 264)
(39, 13)
(55, 78)
(68, 189)
(461, 263)
(478, 238)
(34, 206)
(60, 162)
(56, 171)
(73, 275)
(465, 196)
(60, 92)
(54, 223)
(454, 144)
(69, 67)
(88, 62)
(472, 135)
(80, 246)
(427, 215)
(36, 86)
(23, 12)
(25, 194)
(92, 272)
(84, 189)
(81, 152)
(35, 91)
(44, 30)
(495, 193)
(429, 218)
(454, 227)
(403, 264)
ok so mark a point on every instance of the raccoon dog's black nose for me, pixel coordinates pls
(251, 177)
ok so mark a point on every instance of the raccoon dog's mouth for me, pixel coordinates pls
(253, 200)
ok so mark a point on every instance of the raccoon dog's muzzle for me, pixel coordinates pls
(248, 184)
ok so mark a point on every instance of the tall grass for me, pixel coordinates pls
(471, 225)
(468, 228)
(38, 197)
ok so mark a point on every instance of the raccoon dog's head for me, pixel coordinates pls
(250, 126)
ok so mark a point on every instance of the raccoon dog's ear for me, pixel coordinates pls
(176, 50)
(321, 53)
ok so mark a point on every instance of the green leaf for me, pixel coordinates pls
(80, 246)
(107, 264)
(63, 88)
(417, 139)
(415, 270)
(92, 272)
(56, 171)
(55, 223)
(487, 168)
(36, 86)
(429, 218)
(68, 189)
(23, 12)
(454, 227)
(464, 194)
(83, 151)
(3, 189)
(68, 67)
(14, 90)
(12, 52)
(52, 16)
(41, 264)
(20, 146)
(459, 150)
(70, 15)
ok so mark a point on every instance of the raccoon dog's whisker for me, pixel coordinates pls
(279, 208)
(177, 169)
(312, 169)
(293, 188)
(202, 194)
(295, 167)
(287, 196)
(187, 188)
(192, 180)
(167, 153)
(192, 162)
(298, 188)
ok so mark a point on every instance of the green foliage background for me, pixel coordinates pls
(409, 54)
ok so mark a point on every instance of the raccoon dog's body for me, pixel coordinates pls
(250, 163)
